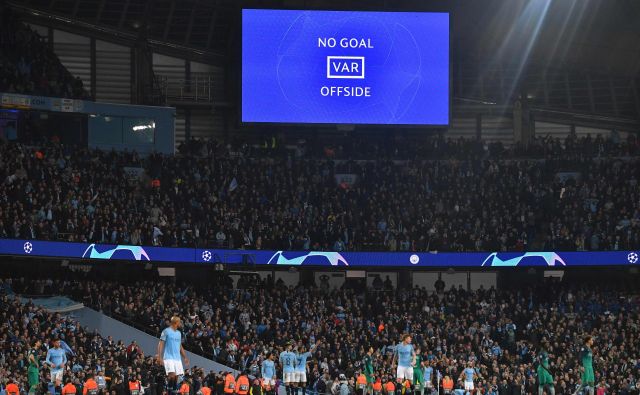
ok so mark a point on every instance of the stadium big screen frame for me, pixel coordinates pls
(345, 67)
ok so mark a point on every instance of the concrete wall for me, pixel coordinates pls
(108, 326)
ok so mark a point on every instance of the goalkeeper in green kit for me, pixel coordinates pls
(586, 358)
(368, 370)
(545, 378)
(418, 377)
(33, 372)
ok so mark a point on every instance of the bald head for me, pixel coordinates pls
(175, 322)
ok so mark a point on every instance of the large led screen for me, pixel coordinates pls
(345, 67)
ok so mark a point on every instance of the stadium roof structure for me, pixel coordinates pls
(602, 35)
(501, 49)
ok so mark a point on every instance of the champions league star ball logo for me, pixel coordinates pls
(28, 247)
(632, 257)
(206, 256)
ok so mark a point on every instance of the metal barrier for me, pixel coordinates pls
(197, 89)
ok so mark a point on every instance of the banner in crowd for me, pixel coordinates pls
(133, 173)
(27, 102)
(80, 251)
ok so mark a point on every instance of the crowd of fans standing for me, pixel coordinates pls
(501, 331)
(243, 197)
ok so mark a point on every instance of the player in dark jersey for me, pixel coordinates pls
(418, 379)
(33, 372)
(586, 359)
(368, 370)
(545, 378)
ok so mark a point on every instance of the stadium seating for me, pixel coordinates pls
(501, 330)
(574, 195)
(29, 66)
(87, 352)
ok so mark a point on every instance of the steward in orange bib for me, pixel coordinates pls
(134, 387)
(69, 388)
(361, 384)
(12, 388)
(90, 386)
(185, 387)
(389, 387)
(447, 384)
(204, 390)
(229, 384)
(377, 387)
(242, 385)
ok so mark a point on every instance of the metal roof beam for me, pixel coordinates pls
(187, 37)
(168, 22)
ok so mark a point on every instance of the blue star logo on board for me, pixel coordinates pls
(632, 257)
(206, 256)
(28, 247)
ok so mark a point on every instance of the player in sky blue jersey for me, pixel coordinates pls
(171, 352)
(301, 365)
(268, 370)
(469, 374)
(56, 359)
(406, 356)
(427, 373)
(288, 362)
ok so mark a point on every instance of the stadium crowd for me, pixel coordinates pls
(29, 329)
(239, 196)
(501, 331)
(28, 65)
(26, 330)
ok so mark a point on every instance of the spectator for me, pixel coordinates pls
(29, 66)
(524, 205)
(500, 330)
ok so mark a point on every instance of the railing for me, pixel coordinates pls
(583, 91)
(197, 89)
(189, 345)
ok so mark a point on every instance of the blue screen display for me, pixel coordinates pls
(345, 67)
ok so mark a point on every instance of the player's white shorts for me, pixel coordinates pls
(405, 373)
(173, 366)
(56, 375)
(289, 377)
(468, 386)
(271, 382)
(300, 377)
(428, 384)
